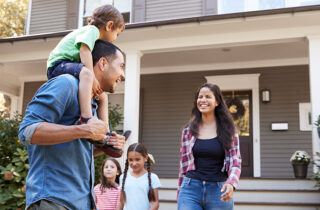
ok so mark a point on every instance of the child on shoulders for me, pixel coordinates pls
(73, 56)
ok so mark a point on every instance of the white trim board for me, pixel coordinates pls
(245, 82)
(226, 66)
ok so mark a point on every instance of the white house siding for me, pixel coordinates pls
(48, 16)
(171, 9)
(167, 103)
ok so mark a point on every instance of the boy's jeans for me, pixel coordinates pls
(201, 195)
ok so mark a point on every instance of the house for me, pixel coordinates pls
(263, 55)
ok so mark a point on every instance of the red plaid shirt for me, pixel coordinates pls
(232, 161)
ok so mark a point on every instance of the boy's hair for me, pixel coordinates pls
(105, 13)
(137, 147)
(104, 182)
(105, 49)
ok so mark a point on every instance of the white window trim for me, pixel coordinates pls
(245, 82)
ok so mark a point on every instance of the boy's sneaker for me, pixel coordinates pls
(109, 149)
(102, 144)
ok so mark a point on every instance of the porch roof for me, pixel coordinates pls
(175, 21)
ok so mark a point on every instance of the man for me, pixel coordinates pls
(61, 174)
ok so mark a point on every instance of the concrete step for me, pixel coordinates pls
(278, 196)
(167, 205)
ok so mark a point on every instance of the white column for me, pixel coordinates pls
(314, 75)
(131, 98)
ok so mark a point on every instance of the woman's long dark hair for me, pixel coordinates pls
(104, 181)
(225, 124)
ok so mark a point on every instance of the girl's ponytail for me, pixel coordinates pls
(151, 195)
(123, 194)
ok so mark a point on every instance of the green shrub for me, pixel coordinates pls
(13, 164)
(316, 175)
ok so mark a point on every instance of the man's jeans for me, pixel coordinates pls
(201, 195)
(46, 205)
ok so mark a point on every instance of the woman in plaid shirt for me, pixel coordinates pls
(210, 161)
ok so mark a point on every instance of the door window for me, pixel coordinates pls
(239, 107)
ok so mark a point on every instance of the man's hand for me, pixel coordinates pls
(97, 128)
(116, 140)
(227, 195)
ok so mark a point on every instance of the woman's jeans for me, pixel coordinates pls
(201, 195)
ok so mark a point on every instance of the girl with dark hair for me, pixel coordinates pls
(107, 193)
(210, 161)
(139, 188)
(73, 56)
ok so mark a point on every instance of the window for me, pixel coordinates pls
(271, 4)
(231, 6)
(124, 6)
(5, 104)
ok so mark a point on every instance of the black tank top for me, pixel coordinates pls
(208, 158)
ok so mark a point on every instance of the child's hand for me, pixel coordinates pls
(96, 89)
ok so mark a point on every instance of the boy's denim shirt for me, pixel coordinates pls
(62, 173)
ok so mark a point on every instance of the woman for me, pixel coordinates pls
(210, 162)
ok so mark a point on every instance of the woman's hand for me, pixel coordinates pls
(227, 195)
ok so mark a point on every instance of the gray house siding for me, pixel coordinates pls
(52, 16)
(288, 87)
(171, 9)
(167, 103)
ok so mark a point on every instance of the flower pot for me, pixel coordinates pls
(300, 170)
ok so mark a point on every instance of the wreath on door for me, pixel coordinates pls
(236, 107)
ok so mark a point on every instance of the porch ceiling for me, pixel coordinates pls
(237, 57)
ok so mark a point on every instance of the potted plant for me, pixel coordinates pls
(317, 123)
(300, 161)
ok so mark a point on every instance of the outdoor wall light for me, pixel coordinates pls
(265, 96)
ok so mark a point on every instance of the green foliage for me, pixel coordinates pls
(115, 117)
(12, 17)
(317, 122)
(316, 176)
(13, 164)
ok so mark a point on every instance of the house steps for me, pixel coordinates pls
(258, 194)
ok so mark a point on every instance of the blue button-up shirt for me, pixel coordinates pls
(62, 173)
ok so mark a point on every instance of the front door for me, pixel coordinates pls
(240, 106)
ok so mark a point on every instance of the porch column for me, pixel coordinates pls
(314, 75)
(132, 94)
(131, 98)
